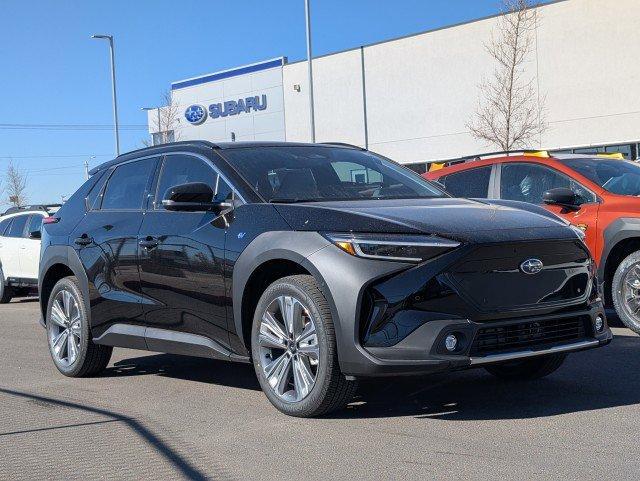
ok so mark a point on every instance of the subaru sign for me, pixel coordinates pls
(196, 114)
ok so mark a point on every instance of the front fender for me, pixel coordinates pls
(342, 278)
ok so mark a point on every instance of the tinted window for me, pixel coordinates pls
(35, 224)
(4, 225)
(93, 197)
(325, 173)
(17, 227)
(470, 183)
(527, 183)
(128, 184)
(183, 169)
(616, 176)
(224, 192)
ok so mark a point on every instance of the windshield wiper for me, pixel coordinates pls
(291, 200)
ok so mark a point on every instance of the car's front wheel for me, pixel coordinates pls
(6, 292)
(625, 291)
(294, 351)
(68, 334)
(527, 369)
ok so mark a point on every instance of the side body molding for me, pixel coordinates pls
(65, 255)
(619, 230)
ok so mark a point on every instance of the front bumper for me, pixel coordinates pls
(413, 343)
(423, 351)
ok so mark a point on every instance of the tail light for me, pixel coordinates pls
(51, 220)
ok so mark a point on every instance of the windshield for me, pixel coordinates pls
(308, 173)
(616, 176)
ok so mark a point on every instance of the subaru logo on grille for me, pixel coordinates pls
(196, 114)
(531, 266)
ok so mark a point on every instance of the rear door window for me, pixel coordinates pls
(35, 225)
(17, 226)
(128, 185)
(468, 183)
(4, 226)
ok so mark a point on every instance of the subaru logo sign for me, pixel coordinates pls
(531, 266)
(196, 114)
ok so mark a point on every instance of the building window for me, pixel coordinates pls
(160, 138)
(629, 151)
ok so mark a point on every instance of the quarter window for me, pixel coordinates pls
(18, 225)
(128, 184)
(527, 183)
(469, 183)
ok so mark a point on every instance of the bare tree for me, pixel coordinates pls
(164, 120)
(510, 113)
(16, 185)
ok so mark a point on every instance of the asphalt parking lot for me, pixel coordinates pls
(155, 416)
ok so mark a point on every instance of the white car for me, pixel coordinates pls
(20, 249)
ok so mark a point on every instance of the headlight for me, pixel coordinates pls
(392, 247)
(579, 232)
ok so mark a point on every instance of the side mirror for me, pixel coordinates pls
(36, 234)
(192, 197)
(561, 196)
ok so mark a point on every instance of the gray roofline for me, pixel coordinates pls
(446, 27)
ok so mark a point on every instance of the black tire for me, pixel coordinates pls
(331, 390)
(6, 292)
(91, 358)
(625, 313)
(527, 369)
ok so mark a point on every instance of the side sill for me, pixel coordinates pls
(163, 340)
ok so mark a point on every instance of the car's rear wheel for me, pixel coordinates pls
(527, 369)
(68, 333)
(294, 349)
(625, 291)
(6, 292)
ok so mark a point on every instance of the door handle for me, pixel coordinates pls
(83, 240)
(148, 242)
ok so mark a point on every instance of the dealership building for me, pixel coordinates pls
(412, 98)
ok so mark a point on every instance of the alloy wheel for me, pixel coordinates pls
(65, 328)
(289, 350)
(631, 291)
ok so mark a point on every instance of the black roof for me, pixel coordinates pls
(204, 144)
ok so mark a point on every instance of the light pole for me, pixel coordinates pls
(86, 167)
(312, 119)
(146, 109)
(113, 87)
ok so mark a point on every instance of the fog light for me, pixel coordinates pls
(599, 323)
(451, 342)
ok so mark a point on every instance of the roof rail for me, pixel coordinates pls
(26, 208)
(488, 155)
(343, 144)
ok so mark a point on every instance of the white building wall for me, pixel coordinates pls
(423, 90)
(255, 125)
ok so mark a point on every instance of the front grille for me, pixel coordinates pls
(490, 277)
(538, 334)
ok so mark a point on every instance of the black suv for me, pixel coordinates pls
(320, 264)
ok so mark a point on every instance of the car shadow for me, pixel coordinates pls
(196, 369)
(590, 380)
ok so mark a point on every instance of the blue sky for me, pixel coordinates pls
(53, 73)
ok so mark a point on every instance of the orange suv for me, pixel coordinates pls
(601, 196)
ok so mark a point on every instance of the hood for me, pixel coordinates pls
(460, 219)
